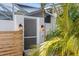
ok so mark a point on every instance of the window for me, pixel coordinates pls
(48, 19)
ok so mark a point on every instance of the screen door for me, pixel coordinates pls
(30, 35)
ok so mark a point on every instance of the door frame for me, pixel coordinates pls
(37, 28)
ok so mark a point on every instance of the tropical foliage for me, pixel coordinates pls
(65, 40)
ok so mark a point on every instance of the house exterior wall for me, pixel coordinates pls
(19, 19)
(6, 25)
(11, 25)
(51, 26)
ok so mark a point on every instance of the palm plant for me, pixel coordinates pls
(65, 41)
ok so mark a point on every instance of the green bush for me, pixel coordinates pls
(65, 40)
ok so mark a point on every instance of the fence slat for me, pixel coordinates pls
(11, 43)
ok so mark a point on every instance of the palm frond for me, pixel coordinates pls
(64, 41)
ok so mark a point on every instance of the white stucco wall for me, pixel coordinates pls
(40, 35)
(51, 26)
(48, 27)
(6, 25)
(11, 25)
(18, 19)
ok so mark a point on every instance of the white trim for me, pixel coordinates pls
(38, 32)
(31, 17)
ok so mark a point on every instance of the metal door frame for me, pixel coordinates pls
(38, 29)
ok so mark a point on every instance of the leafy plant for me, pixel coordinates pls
(65, 40)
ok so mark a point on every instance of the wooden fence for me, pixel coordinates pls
(11, 43)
